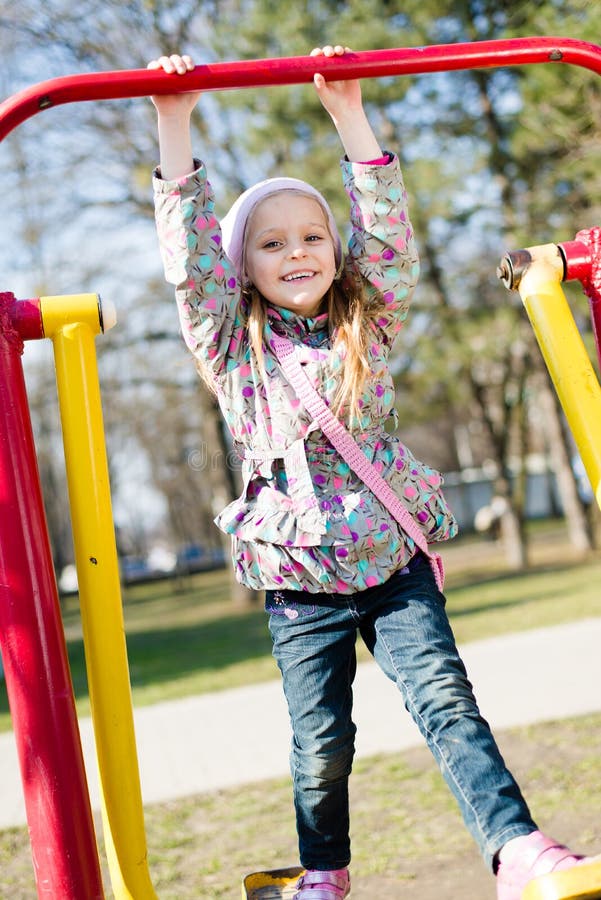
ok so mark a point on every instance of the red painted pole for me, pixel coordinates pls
(297, 70)
(582, 261)
(33, 645)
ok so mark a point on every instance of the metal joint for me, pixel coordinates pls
(512, 267)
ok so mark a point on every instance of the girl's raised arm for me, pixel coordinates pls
(174, 111)
(342, 100)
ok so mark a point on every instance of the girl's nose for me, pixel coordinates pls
(298, 251)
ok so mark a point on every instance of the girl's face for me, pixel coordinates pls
(289, 252)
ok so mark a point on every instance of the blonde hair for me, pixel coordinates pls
(352, 305)
(351, 302)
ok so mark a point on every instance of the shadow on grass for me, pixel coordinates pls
(518, 588)
(477, 577)
(171, 654)
(161, 651)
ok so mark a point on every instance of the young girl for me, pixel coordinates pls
(330, 557)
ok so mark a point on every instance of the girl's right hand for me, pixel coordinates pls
(338, 97)
(172, 104)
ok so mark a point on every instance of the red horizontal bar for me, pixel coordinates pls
(297, 70)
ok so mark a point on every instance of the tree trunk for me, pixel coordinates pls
(516, 548)
(511, 526)
(221, 470)
(575, 516)
(593, 518)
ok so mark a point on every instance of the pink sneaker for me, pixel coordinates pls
(525, 858)
(317, 885)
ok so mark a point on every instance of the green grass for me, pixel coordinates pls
(541, 597)
(185, 637)
(408, 839)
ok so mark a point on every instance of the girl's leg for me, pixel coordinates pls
(315, 650)
(406, 628)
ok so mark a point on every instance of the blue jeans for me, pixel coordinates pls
(404, 624)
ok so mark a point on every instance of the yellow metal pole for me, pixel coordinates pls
(537, 273)
(72, 322)
(565, 355)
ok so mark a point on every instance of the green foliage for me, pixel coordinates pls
(494, 159)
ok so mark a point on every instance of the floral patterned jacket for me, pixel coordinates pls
(303, 520)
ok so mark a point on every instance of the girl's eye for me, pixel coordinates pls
(314, 237)
(269, 245)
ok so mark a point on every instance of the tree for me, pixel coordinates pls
(103, 153)
(51, 465)
(477, 185)
(490, 162)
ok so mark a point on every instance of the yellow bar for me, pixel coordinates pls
(578, 883)
(568, 363)
(580, 396)
(68, 309)
(275, 883)
(72, 323)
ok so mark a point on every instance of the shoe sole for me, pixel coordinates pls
(277, 884)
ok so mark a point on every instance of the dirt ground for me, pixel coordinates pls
(559, 771)
(408, 840)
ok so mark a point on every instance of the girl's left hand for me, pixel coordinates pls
(171, 104)
(338, 97)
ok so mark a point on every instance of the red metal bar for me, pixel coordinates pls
(298, 69)
(26, 319)
(582, 261)
(576, 259)
(33, 649)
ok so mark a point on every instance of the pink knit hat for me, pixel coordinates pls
(233, 224)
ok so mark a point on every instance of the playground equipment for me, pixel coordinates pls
(33, 647)
(537, 273)
(71, 323)
(278, 884)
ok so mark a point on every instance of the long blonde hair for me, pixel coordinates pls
(352, 304)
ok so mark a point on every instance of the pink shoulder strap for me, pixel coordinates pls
(350, 451)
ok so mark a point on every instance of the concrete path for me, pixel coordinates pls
(213, 741)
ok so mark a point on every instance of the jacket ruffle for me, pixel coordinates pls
(327, 506)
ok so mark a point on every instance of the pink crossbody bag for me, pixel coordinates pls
(351, 452)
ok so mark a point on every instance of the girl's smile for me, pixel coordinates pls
(289, 252)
